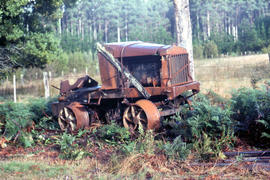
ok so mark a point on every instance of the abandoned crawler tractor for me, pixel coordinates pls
(141, 83)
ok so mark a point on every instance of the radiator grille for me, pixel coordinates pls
(179, 68)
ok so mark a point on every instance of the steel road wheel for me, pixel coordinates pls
(73, 117)
(143, 113)
(67, 120)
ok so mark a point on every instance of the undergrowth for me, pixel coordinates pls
(18, 119)
(251, 108)
(70, 149)
(206, 131)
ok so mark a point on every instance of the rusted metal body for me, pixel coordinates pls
(141, 82)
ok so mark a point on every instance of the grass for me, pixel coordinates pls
(224, 74)
(136, 166)
(25, 169)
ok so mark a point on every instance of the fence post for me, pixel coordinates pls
(14, 88)
(46, 84)
(50, 75)
(86, 70)
(62, 73)
(269, 57)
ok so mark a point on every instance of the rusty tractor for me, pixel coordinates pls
(141, 84)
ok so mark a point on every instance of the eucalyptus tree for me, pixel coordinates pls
(184, 29)
(26, 32)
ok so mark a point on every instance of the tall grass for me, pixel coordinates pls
(221, 75)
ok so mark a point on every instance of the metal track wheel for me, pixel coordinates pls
(73, 117)
(144, 113)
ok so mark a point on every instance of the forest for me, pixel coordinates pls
(36, 33)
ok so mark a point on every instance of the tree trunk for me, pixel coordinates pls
(183, 29)
(95, 31)
(126, 28)
(208, 25)
(118, 34)
(59, 26)
(71, 28)
(106, 30)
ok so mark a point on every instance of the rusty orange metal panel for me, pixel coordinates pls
(171, 50)
(129, 49)
(164, 71)
(108, 74)
(171, 92)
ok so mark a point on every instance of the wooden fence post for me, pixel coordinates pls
(86, 70)
(50, 75)
(269, 57)
(46, 85)
(14, 88)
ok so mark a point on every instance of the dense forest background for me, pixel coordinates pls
(34, 33)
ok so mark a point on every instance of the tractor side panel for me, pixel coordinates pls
(108, 73)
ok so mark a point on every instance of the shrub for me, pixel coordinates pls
(207, 148)
(203, 118)
(14, 118)
(177, 149)
(251, 107)
(210, 50)
(245, 106)
(42, 114)
(40, 108)
(69, 149)
(144, 144)
(207, 128)
(198, 51)
(113, 134)
(266, 49)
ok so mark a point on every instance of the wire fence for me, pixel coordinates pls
(38, 84)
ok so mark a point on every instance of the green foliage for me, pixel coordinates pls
(31, 170)
(208, 128)
(203, 118)
(145, 143)
(207, 148)
(177, 149)
(224, 42)
(251, 108)
(248, 38)
(266, 49)
(198, 51)
(26, 33)
(113, 134)
(66, 62)
(216, 99)
(69, 149)
(39, 49)
(210, 49)
(15, 118)
(40, 107)
(245, 106)
(42, 113)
